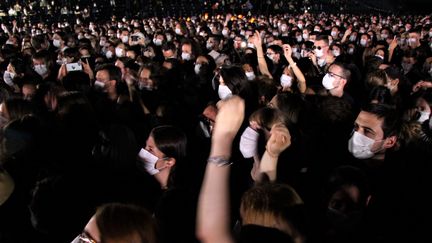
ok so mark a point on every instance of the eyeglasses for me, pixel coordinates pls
(318, 47)
(335, 75)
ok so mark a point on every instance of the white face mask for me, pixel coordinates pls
(251, 45)
(148, 161)
(336, 53)
(178, 31)
(197, 68)
(224, 92)
(109, 54)
(334, 34)
(42, 70)
(285, 80)
(119, 52)
(8, 78)
(353, 38)
(412, 41)
(321, 62)
(319, 53)
(423, 116)
(56, 43)
(299, 38)
(186, 56)
(384, 36)
(305, 37)
(125, 39)
(157, 42)
(250, 75)
(363, 42)
(209, 46)
(360, 146)
(98, 84)
(225, 32)
(328, 81)
(249, 143)
(102, 43)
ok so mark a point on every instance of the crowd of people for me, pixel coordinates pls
(217, 128)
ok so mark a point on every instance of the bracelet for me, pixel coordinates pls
(271, 155)
(219, 161)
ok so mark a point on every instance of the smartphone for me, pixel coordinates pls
(71, 67)
(134, 38)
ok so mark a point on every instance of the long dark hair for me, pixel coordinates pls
(173, 143)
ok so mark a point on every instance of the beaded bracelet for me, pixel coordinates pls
(219, 161)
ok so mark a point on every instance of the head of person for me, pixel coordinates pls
(274, 53)
(232, 81)
(59, 39)
(273, 206)
(414, 38)
(336, 78)
(187, 51)
(165, 150)
(376, 130)
(147, 77)
(346, 195)
(108, 78)
(380, 95)
(42, 63)
(117, 222)
(169, 50)
(71, 55)
(321, 46)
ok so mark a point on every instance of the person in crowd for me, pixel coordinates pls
(117, 222)
(138, 74)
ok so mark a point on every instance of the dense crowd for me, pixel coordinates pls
(217, 128)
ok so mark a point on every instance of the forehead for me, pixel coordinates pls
(366, 119)
(320, 43)
(186, 47)
(102, 74)
(335, 69)
(145, 73)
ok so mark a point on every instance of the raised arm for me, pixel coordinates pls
(392, 48)
(213, 222)
(279, 140)
(262, 64)
(301, 80)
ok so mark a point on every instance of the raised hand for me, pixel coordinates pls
(279, 140)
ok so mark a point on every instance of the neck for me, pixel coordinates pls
(336, 92)
(162, 177)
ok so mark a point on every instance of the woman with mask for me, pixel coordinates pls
(231, 80)
(164, 157)
(292, 73)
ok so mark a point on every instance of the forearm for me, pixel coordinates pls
(301, 80)
(213, 206)
(268, 165)
(262, 64)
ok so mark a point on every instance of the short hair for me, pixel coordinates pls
(114, 72)
(346, 72)
(322, 38)
(389, 115)
(263, 204)
(125, 223)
